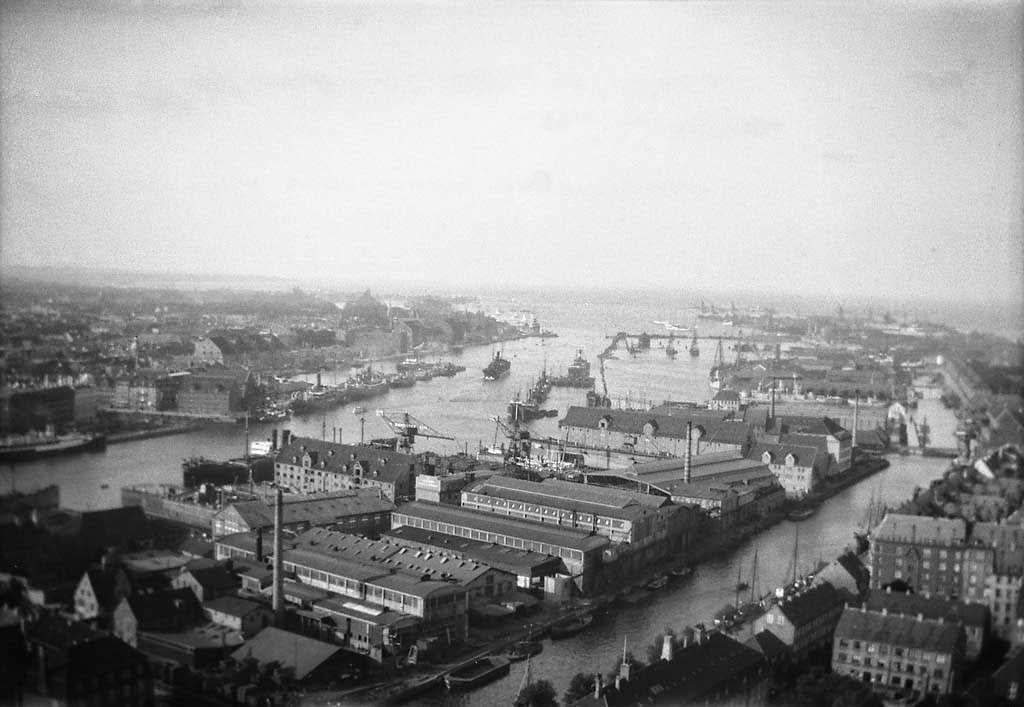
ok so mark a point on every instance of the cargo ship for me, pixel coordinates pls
(578, 375)
(26, 448)
(497, 368)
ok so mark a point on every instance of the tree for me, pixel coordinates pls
(537, 694)
(581, 685)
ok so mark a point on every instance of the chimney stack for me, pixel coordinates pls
(278, 560)
(666, 648)
(259, 544)
(688, 460)
(856, 416)
(771, 416)
(273, 439)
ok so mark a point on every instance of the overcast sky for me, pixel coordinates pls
(811, 147)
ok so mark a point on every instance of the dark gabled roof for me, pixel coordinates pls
(57, 632)
(379, 464)
(922, 530)
(812, 603)
(694, 672)
(322, 508)
(233, 606)
(767, 644)
(796, 424)
(804, 455)
(975, 615)
(215, 578)
(291, 650)
(161, 605)
(1010, 675)
(104, 582)
(897, 630)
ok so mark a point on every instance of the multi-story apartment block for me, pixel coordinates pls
(312, 466)
(926, 553)
(899, 656)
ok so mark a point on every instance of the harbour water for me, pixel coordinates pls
(462, 407)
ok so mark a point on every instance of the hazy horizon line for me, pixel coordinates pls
(50, 274)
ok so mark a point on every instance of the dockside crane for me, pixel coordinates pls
(407, 428)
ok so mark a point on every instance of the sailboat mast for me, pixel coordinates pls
(753, 579)
(796, 545)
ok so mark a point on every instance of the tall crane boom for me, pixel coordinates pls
(407, 428)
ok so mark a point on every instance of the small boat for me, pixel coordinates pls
(523, 650)
(414, 687)
(480, 671)
(657, 583)
(800, 514)
(358, 410)
(570, 627)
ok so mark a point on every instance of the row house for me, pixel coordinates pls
(899, 656)
(314, 466)
(805, 621)
(798, 468)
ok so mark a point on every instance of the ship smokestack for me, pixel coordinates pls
(856, 417)
(278, 559)
(688, 459)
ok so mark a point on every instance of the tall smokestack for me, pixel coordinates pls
(771, 416)
(278, 559)
(259, 544)
(856, 416)
(273, 439)
(688, 459)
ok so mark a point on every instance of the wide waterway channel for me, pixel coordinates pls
(461, 406)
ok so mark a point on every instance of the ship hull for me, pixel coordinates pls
(52, 449)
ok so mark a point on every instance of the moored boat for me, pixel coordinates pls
(659, 582)
(29, 448)
(571, 626)
(682, 572)
(497, 368)
(523, 650)
(480, 671)
(802, 512)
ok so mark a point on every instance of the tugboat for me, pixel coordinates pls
(578, 375)
(497, 368)
(523, 650)
(478, 672)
